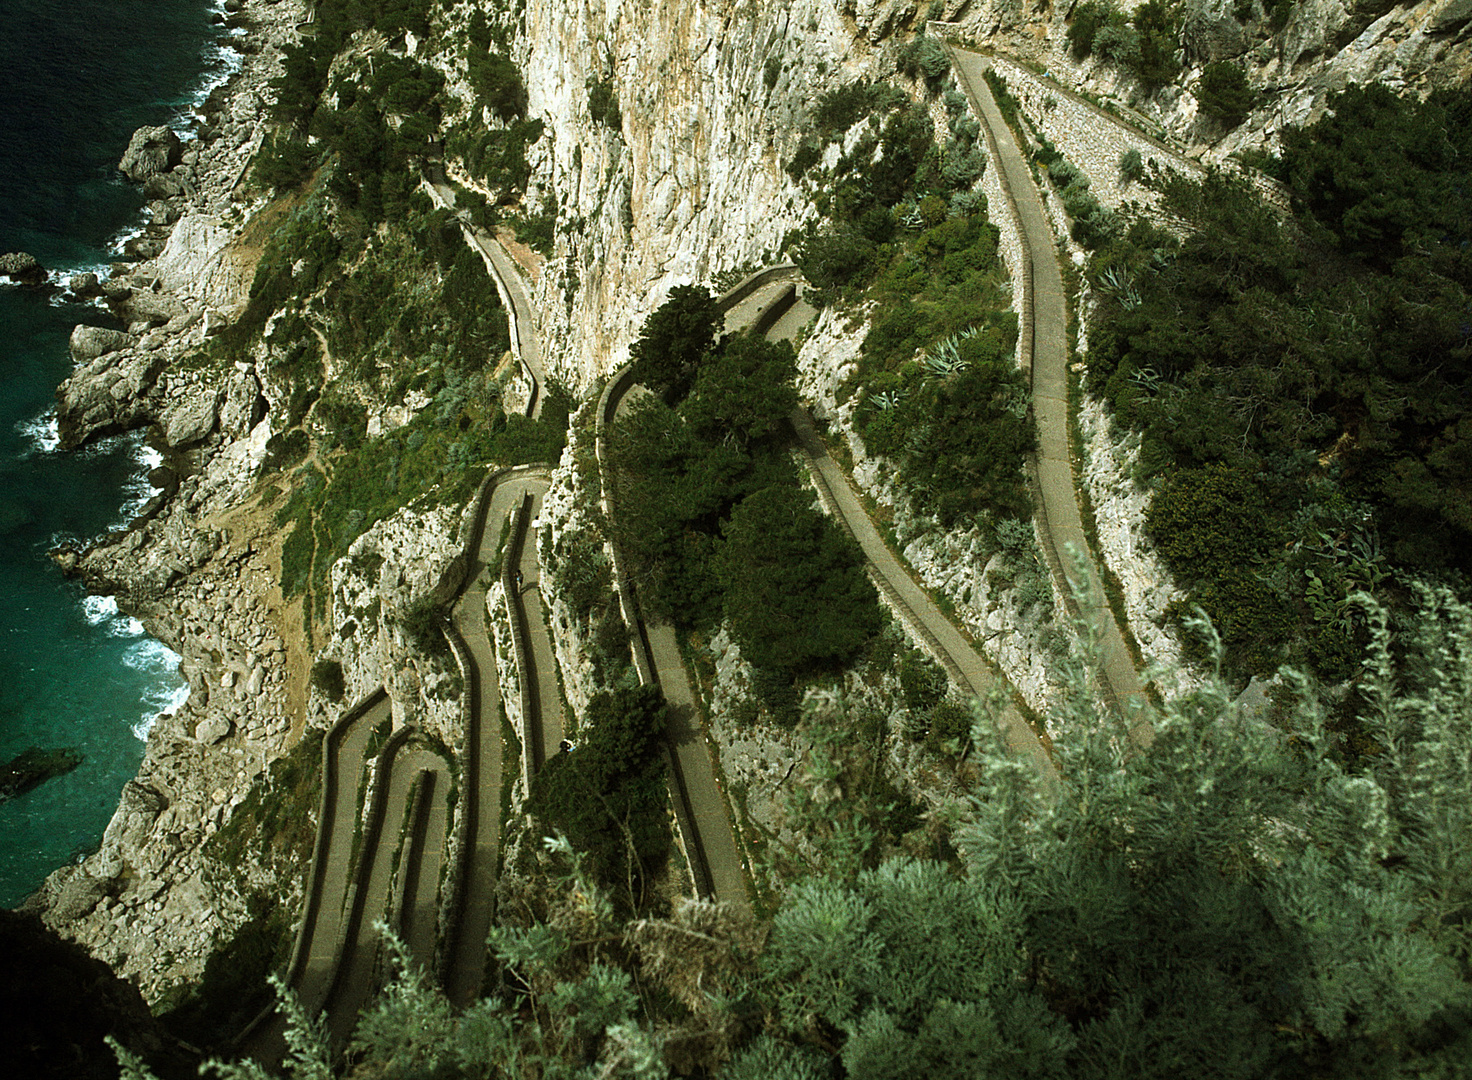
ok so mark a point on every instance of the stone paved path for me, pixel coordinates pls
(1043, 340)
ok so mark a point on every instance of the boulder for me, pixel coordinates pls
(84, 286)
(116, 291)
(190, 417)
(163, 212)
(147, 245)
(151, 151)
(1450, 17)
(243, 407)
(22, 267)
(212, 729)
(154, 308)
(112, 393)
(89, 342)
(166, 186)
(1211, 32)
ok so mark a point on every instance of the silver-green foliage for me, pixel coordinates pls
(1233, 901)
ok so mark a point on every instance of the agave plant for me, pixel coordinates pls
(944, 358)
(886, 400)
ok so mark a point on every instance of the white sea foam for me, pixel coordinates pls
(98, 609)
(41, 432)
(151, 656)
(136, 489)
(168, 696)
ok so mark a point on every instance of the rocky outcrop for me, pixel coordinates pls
(89, 342)
(1211, 32)
(151, 151)
(22, 267)
(116, 392)
(84, 287)
(189, 417)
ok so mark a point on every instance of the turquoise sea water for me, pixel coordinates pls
(80, 76)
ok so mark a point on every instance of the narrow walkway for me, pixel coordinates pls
(547, 723)
(700, 805)
(525, 340)
(385, 834)
(1044, 344)
(483, 746)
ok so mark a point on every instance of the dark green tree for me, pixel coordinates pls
(744, 393)
(674, 339)
(607, 795)
(796, 594)
(1224, 94)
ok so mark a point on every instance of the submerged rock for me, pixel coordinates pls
(31, 768)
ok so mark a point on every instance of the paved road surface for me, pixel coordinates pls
(483, 745)
(1044, 339)
(525, 339)
(373, 884)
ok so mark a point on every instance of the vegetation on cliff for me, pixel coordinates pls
(711, 514)
(1236, 901)
(367, 300)
(903, 228)
(1300, 386)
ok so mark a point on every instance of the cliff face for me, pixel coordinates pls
(688, 187)
(691, 185)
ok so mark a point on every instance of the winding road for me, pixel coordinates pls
(393, 866)
(1043, 342)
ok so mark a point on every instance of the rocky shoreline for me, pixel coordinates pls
(200, 574)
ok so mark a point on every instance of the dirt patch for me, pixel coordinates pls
(525, 257)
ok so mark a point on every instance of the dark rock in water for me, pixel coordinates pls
(84, 286)
(32, 768)
(151, 151)
(233, 6)
(116, 291)
(19, 266)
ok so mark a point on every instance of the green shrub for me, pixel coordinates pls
(327, 677)
(603, 104)
(795, 591)
(1224, 94)
(608, 795)
(925, 58)
(1131, 166)
(838, 110)
(1088, 18)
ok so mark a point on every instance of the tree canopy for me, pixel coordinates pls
(795, 590)
(674, 339)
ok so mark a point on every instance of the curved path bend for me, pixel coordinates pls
(397, 876)
(483, 768)
(1043, 341)
(702, 812)
(702, 815)
(398, 873)
(525, 338)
